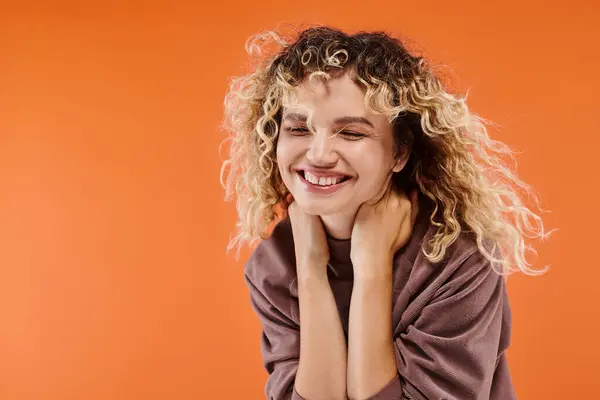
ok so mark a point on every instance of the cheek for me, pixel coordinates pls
(285, 151)
(372, 162)
(372, 174)
(281, 155)
(285, 156)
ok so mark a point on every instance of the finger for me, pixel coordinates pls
(293, 210)
(289, 199)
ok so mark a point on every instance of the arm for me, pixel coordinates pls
(453, 347)
(322, 368)
(280, 336)
(307, 363)
(371, 357)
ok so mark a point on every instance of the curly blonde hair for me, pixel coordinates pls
(452, 161)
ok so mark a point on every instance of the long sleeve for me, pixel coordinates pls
(452, 320)
(452, 346)
(280, 343)
(452, 349)
(391, 391)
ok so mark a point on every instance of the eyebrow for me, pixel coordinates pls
(338, 121)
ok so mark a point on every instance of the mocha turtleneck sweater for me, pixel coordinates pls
(451, 320)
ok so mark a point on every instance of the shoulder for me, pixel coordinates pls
(463, 262)
(462, 283)
(467, 267)
(272, 264)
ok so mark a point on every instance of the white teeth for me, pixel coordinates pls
(311, 178)
(322, 181)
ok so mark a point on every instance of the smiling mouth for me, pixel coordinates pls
(322, 181)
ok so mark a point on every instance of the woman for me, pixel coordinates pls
(387, 220)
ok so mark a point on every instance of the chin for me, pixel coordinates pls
(324, 207)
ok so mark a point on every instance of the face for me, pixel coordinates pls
(347, 158)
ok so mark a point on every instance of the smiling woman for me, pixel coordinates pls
(387, 222)
(339, 138)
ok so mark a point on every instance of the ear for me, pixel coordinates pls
(401, 161)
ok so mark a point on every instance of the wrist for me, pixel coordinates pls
(312, 272)
(373, 267)
(371, 257)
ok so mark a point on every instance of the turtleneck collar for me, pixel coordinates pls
(340, 265)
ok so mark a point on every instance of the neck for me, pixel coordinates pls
(339, 226)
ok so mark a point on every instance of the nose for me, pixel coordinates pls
(321, 152)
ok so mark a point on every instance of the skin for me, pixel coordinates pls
(379, 230)
(376, 218)
(360, 150)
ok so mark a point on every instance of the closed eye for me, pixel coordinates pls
(349, 135)
(352, 135)
(298, 131)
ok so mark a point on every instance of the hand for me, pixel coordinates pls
(310, 242)
(382, 227)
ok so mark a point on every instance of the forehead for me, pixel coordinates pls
(322, 98)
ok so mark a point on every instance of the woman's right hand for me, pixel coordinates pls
(322, 366)
(310, 242)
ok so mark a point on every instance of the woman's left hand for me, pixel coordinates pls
(381, 228)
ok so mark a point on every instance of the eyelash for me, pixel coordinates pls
(350, 134)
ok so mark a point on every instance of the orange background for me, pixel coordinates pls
(114, 283)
